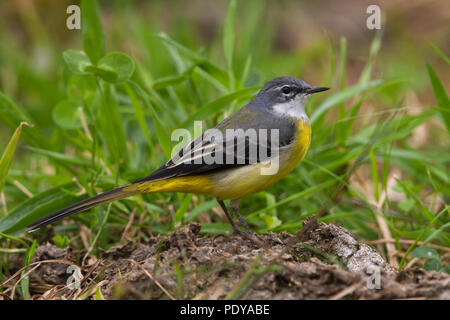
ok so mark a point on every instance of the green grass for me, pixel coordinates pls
(104, 117)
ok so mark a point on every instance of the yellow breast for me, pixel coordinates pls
(240, 182)
(299, 146)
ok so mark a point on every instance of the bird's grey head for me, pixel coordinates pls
(287, 96)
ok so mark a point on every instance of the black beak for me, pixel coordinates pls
(316, 89)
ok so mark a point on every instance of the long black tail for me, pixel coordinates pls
(112, 195)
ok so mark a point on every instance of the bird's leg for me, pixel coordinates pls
(230, 218)
(250, 236)
(234, 205)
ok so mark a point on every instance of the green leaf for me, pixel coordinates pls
(66, 114)
(433, 264)
(37, 207)
(6, 159)
(30, 253)
(25, 286)
(425, 252)
(441, 96)
(117, 67)
(98, 295)
(76, 61)
(82, 88)
(270, 201)
(112, 126)
(406, 205)
(105, 73)
(93, 40)
(61, 241)
(183, 207)
(271, 221)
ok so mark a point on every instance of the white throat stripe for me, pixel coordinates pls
(294, 108)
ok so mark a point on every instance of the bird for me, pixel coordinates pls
(271, 131)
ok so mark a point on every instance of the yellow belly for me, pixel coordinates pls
(238, 182)
(246, 180)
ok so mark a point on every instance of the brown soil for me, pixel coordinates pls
(323, 261)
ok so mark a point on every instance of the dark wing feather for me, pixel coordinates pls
(184, 162)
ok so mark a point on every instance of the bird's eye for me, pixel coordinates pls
(286, 90)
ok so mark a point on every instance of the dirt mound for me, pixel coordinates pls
(323, 261)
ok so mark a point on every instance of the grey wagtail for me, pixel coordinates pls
(279, 107)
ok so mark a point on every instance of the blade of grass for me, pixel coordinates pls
(441, 96)
(211, 108)
(374, 167)
(426, 212)
(216, 72)
(228, 41)
(111, 125)
(13, 116)
(374, 49)
(6, 159)
(179, 214)
(439, 52)
(18, 239)
(420, 236)
(342, 82)
(72, 160)
(37, 207)
(140, 116)
(165, 82)
(163, 137)
(297, 195)
(342, 96)
(93, 39)
(202, 207)
(25, 283)
(245, 72)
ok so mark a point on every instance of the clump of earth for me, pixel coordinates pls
(323, 261)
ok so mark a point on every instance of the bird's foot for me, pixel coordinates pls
(253, 237)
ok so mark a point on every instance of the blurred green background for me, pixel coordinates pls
(379, 158)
